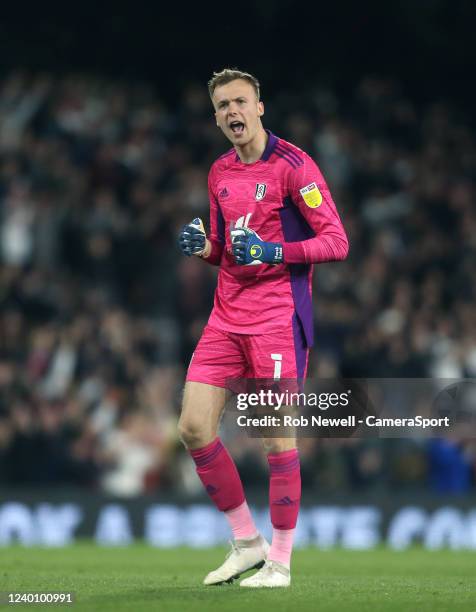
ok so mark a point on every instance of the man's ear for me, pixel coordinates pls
(260, 109)
(216, 120)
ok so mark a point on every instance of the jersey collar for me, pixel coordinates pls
(272, 140)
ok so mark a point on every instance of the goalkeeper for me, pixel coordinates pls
(271, 218)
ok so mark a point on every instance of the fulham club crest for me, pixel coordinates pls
(260, 191)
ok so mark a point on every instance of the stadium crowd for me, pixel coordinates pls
(99, 313)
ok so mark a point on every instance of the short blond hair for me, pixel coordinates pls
(232, 74)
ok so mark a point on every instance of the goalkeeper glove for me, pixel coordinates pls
(192, 238)
(248, 248)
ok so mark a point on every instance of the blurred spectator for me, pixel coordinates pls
(451, 466)
(99, 314)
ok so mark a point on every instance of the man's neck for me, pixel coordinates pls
(253, 150)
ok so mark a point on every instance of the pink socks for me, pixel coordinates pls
(284, 499)
(218, 473)
(281, 546)
(242, 523)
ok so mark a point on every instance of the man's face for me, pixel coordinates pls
(238, 111)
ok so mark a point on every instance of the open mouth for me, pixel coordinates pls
(237, 127)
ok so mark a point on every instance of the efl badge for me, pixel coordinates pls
(260, 191)
(256, 251)
(311, 195)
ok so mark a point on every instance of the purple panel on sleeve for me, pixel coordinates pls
(220, 224)
(295, 229)
(299, 347)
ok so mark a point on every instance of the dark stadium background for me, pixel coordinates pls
(102, 285)
(428, 44)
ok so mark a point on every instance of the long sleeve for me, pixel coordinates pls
(310, 194)
(217, 227)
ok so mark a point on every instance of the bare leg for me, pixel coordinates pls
(202, 408)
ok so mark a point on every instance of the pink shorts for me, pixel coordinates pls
(222, 356)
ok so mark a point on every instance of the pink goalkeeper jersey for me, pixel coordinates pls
(283, 197)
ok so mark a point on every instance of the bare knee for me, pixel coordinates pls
(201, 411)
(194, 434)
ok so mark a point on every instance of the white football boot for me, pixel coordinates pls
(243, 556)
(271, 575)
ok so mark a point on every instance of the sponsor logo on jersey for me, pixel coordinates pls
(260, 191)
(256, 251)
(311, 195)
(243, 221)
(223, 193)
